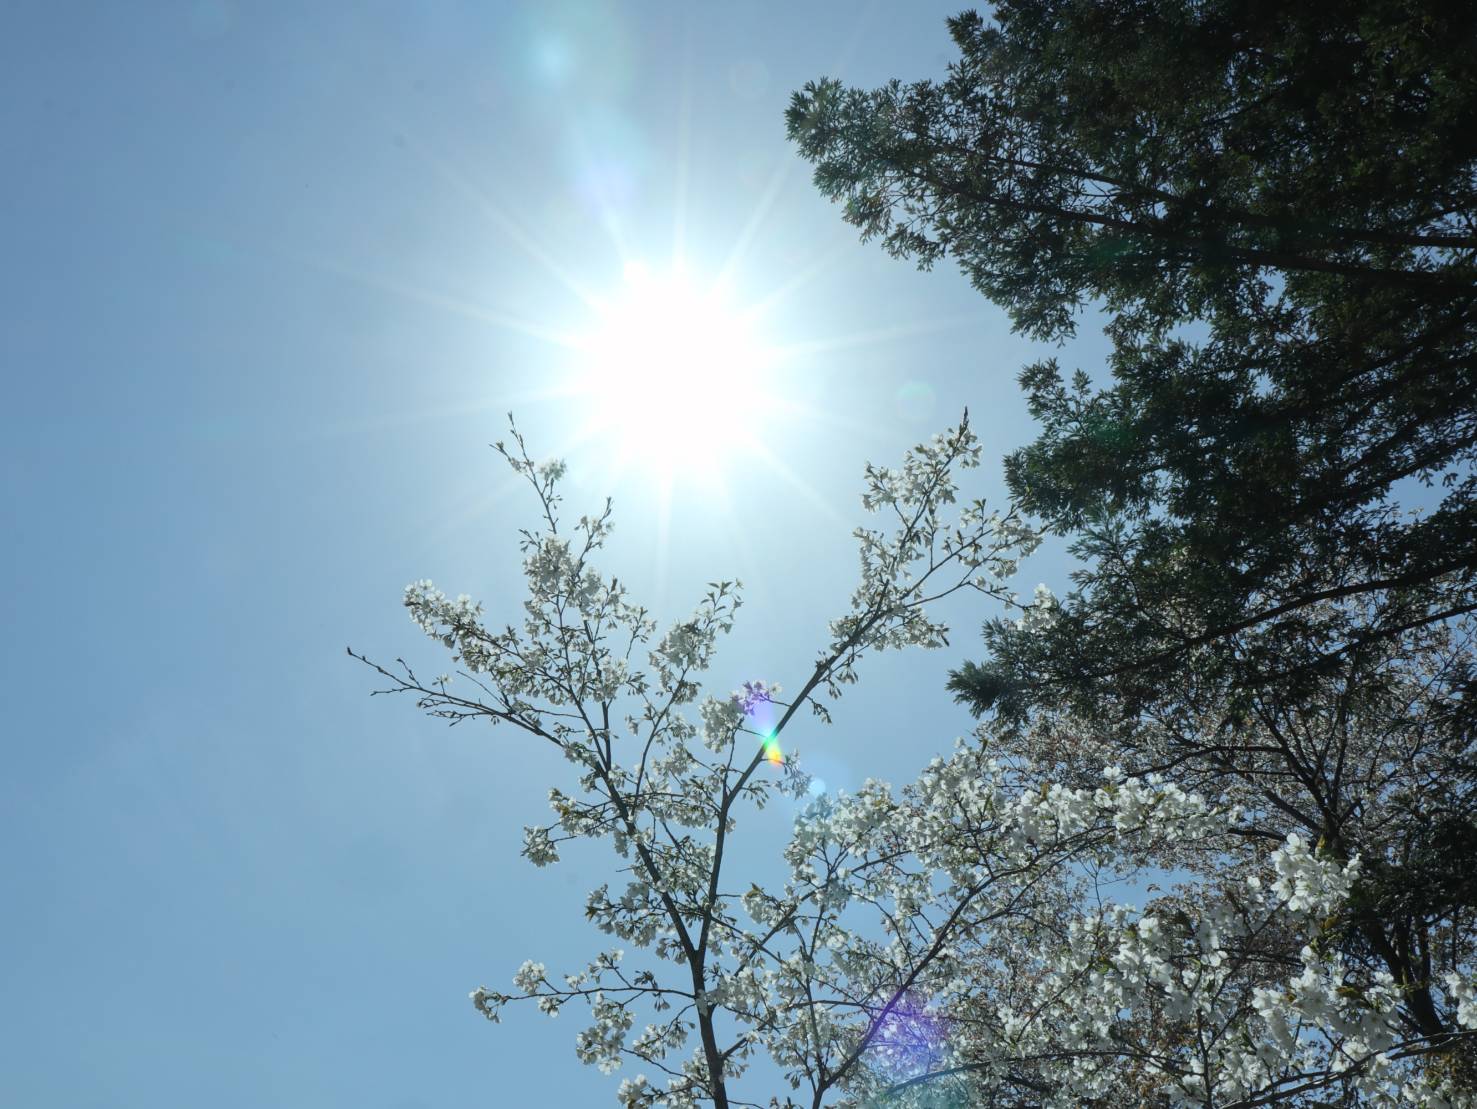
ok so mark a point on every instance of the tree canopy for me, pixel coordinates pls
(963, 940)
(1275, 205)
(1273, 499)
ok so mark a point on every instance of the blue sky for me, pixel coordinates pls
(272, 274)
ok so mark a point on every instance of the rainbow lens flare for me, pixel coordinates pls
(772, 751)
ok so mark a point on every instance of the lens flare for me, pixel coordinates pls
(757, 701)
(911, 1039)
(772, 751)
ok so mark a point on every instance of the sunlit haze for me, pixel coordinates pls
(676, 377)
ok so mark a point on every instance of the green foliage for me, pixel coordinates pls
(1276, 205)
(1296, 184)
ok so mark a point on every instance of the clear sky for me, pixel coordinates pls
(270, 275)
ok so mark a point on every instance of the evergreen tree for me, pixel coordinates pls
(1275, 204)
(1277, 207)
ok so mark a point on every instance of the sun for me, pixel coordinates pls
(674, 375)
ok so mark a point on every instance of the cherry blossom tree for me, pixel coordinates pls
(954, 942)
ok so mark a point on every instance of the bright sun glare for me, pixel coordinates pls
(675, 376)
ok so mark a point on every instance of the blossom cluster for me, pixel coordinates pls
(954, 939)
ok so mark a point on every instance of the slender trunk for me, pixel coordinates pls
(1396, 956)
(711, 1054)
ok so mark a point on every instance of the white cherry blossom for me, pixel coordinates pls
(955, 941)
